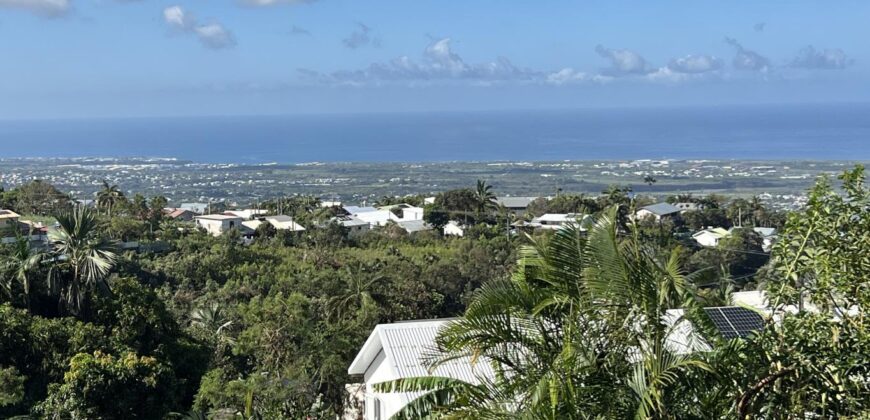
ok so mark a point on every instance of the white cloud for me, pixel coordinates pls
(747, 59)
(694, 64)
(45, 8)
(361, 38)
(212, 35)
(215, 36)
(439, 63)
(623, 62)
(827, 59)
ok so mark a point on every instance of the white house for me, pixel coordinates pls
(396, 351)
(247, 214)
(556, 221)
(217, 224)
(689, 206)
(354, 225)
(768, 237)
(711, 236)
(658, 211)
(453, 228)
(282, 222)
(8, 221)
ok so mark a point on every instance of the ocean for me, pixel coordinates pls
(808, 132)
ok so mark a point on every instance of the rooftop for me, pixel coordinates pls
(661, 209)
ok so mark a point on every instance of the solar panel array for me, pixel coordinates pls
(734, 321)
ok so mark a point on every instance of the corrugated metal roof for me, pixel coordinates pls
(661, 209)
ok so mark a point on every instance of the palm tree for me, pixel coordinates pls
(82, 256)
(21, 261)
(583, 329)
(109, 197)
(359, 292)
(485, 199)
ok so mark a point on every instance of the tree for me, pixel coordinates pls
(20, 262)
(485, 199)
(82, 257)
(109, 197)
(100, 385)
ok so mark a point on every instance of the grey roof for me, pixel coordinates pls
(349, 221)
(280, 218)
(358, 210)
(661, 209)
(412, 226)
(515, 202)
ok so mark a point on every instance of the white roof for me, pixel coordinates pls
(8, 214)
(349, 221)
(412, 226)
(406, 346)
(765, 231)
(283, 222)
(218, 217)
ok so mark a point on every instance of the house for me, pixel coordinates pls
(658, 211)
(8, 222)
(247, 214)
(405, 211)
(282, 222)
(768, 237)
(556, 221)
(400, 350)
(396, 351)
(198, 208)
(179, 214)
(354, 210)
(327, 204)
(453, 228)
(711, 236)
(354, 225)
(378, 217)
(689, 206)
(218, 224)
(414, 226)
(517, 205)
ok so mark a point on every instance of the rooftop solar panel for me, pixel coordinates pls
(735, 321)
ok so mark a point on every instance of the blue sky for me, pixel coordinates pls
(111, 58)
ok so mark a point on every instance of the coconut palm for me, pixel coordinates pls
(20, 262)
(581, 330)
(109, 197)
(358, 292)
(485, 199)
(82, 256)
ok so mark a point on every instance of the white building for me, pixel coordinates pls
(556, 221)
(396, 351)
(354, 226)
(453, 228)
(517, 205)
(710, 237)
(768, 237)
(217, 224)
(247, 214)
(658, 211)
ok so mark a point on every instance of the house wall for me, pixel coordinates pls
(643, 214)
(218, 227)
(381, 371)
(452, 229)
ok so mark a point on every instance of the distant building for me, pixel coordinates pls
(326, 204)
(768, 237)
(689, 206)
(354, 226)
(658, 211)
(247, 214)
(414, 226)
(8, 221)
(218, 224)
(555, 221)
(179, 214)
(517, 205)
(282, 222)
(453, 228)
(710, 237)
(198, 208)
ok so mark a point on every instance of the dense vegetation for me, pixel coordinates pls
(203, 325)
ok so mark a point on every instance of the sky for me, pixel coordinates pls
(129, 58)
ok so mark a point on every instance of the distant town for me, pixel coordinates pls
(780, 184)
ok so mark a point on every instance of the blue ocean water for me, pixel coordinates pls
(754, 132)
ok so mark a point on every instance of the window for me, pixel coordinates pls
(378, 414)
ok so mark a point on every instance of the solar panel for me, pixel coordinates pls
(734, 321)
